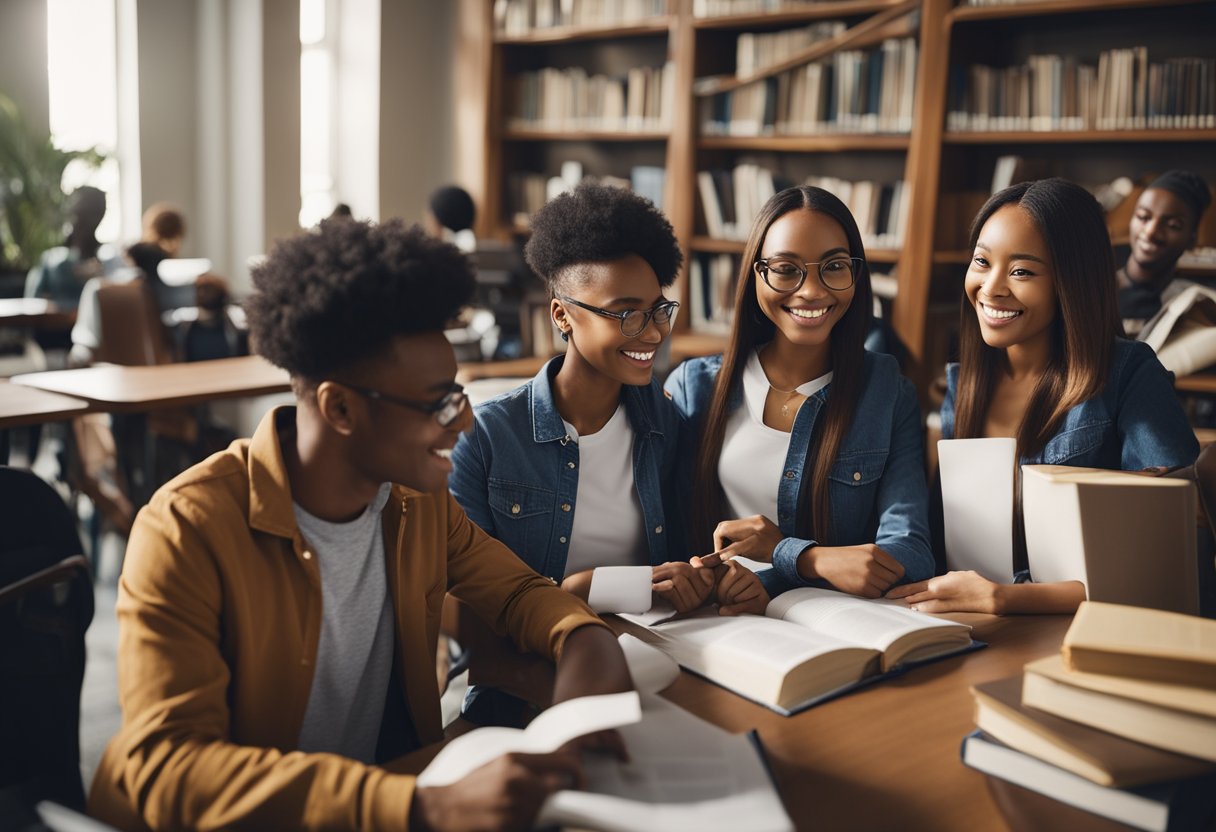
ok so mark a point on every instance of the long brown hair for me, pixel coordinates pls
(752, 328)
(1083, 332)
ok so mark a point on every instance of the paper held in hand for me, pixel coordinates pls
(977, 504)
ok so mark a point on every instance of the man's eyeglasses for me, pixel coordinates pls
(633, 321)
(785, 275)
(446, 410)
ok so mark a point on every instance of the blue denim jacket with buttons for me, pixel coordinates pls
(877, 492)
(1135, 423)
(516, 472)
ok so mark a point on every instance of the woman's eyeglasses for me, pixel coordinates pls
(633, 321)
(785, 275)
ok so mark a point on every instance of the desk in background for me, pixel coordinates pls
(36, 313)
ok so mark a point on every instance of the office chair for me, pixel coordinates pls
(46, 604)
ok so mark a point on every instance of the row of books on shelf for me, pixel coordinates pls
(854, 91)
(755, 51)
(1053, 92)
(731, 199)
(1121, 724)
(726, 8)
(527, 192)
(521, 17)
(571, 99)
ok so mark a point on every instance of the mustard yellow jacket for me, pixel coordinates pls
(219, 610)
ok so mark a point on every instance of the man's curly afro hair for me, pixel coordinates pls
(330, 299)
(595, 223)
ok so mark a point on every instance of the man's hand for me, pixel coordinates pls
(505, 793)
(863, 570)
(753, 537)
(953, 592)
(739, 590)
(685, 586)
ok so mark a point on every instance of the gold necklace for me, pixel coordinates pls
(789, 397)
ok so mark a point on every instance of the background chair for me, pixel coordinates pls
(46, 605)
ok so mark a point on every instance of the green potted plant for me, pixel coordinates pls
(33, 206)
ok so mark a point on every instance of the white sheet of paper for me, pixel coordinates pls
(548, 732)
(977, 502)
(652, 670)
(620, 589)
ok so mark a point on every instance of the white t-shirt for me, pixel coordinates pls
(608, 525)
(753, 454)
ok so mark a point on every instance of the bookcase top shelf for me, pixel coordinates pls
(649, 27)
(820, 11)
(805, 144)
(964, 14)
(522, 135)
(1078, 136)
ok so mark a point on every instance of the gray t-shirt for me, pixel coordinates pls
(355, 653)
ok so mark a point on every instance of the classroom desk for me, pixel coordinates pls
(37, 313)
(21, 405)
(139, 390)
(119, 389)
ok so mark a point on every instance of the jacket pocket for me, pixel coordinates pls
(523, 519)
(1077, 446)
(859, 469)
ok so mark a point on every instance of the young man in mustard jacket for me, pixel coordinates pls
(280, 603)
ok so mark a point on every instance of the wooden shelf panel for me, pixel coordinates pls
(964, 14)
(715, 245)
(563, 34)
(693, 344)
(1079, 136)
(820, 11)
(805, 144)
(951, 258)
(530, 135)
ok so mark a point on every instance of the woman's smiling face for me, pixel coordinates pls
(1011, 281)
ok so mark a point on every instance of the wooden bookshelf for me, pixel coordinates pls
(936, 164)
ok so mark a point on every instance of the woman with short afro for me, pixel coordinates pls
(575, 469)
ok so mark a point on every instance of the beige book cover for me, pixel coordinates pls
(1098, 756)
(1149, 644)
(1128, 537)
(1173, 717)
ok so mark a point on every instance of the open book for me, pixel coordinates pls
(810, 645)
(1183, 332)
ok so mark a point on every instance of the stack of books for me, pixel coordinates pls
(1121, 724)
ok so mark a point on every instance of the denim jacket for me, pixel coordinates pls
(516, 472)
(1135, 423)
(877, 492)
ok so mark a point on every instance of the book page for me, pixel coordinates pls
(548, 732)
(683, 773)
(743, 641)
(977, 504)
(871, 623)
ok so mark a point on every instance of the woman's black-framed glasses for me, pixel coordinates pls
(633, 321)
(446, 410)
(785, 275)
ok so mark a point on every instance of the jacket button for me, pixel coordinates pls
(515, 508)
(565, 506)
(789, 475)
(658, 529)
(569, 464)
(856, 476)
(307, 555)
(561, 539)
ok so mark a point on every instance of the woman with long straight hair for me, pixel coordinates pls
(1042, 360)
(806, 449)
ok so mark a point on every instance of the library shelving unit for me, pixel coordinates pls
(946, 172)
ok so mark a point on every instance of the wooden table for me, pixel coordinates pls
(1198, 383)
(886, 756)
(38, 313)
(140, 389)
(21, 405)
